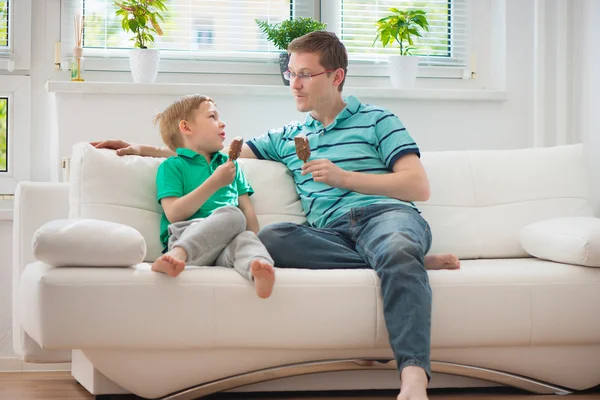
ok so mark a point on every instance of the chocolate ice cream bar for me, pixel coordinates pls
(235, 148)
(302, 147)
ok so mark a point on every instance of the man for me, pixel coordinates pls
(357, 192)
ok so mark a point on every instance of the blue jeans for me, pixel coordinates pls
(392, 239)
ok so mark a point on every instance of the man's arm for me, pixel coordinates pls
(245, 205)
(124, 148)
(408, 181)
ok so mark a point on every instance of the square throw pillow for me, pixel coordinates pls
(574, 240)
(88, 243)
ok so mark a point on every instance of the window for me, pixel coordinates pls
(445, 44)
(14, 131)
(3, 132)
(224, 30)
(15, 34)
(192, 28)
(4, 25)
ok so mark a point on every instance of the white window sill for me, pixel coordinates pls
(180, 89)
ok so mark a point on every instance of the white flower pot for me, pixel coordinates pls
(403, 71)
(144, 65)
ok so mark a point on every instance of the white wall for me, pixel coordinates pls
(435, 124)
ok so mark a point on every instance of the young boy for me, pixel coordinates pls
(208, 218)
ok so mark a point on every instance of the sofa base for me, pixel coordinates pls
(195, 373)
(310, 368)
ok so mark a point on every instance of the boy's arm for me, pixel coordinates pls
(181, 208)
(246, 206)
(247, 152)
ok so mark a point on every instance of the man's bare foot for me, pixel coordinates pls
(169, 265)
(414, 384)
(442, 261)
(264, 278)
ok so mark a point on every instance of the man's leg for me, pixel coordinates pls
(299, 246)
(394, 243)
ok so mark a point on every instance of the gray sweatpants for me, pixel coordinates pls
(219, 240)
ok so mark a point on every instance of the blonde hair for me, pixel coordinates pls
(168, 120)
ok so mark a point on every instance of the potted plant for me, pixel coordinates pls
(281, 35)
(141, 17)
(401, 27)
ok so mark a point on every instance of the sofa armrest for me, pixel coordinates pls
(36, 203)
(573, 240)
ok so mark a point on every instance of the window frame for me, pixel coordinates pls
(18, 91)
(18, 56)
(441, 76)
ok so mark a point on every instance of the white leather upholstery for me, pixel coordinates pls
(516, 302)
(567, 240)
(80, 242)
(36, 203)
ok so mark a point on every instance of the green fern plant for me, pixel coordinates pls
(402, 26)
(282, 34)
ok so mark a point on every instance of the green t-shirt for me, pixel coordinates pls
(179, 175)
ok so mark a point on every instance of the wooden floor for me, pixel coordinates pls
(61, 386)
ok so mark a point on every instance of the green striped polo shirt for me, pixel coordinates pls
(362, 138)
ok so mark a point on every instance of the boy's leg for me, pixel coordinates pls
(300, 246)
(394, 244)
(204, 239)
(249, 257)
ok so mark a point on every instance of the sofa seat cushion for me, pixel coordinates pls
(511, 302)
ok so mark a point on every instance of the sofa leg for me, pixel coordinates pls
(90, 378)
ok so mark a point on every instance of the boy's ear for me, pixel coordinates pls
(184, 127)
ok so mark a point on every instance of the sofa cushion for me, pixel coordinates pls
(487, 303)
(123, 189)
(566, 240)
(88, 243)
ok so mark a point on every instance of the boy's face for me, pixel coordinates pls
(310, 93)
(205, 132)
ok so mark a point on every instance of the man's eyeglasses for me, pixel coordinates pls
(288, 75)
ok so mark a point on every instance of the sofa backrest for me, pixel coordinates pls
(479, 199)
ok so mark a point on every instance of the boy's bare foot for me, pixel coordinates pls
(442, 261)
(414, 384)
(264, 278)
(168, 265)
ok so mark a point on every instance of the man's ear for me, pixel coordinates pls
(184, 127)
(339, 77)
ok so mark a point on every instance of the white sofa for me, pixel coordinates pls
(504, 318)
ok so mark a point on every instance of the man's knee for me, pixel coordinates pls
(274, 234)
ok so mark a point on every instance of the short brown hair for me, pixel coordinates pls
(168, 120)
(332, 52)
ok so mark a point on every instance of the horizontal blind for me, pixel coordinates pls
(192, 28)
(4, 25)
(446, 43)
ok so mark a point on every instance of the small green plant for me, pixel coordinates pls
(141, 17)
(281, 34)
(401, 26)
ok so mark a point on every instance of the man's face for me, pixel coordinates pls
(310, 92)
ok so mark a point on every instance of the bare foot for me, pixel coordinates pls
(169, 265)
(414, 384)
(264, 278)
(442, 261)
